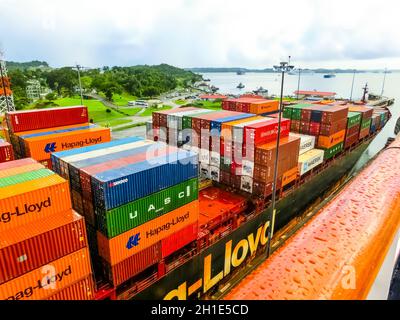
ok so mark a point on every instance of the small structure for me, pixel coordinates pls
(33, 89)
(212, 97)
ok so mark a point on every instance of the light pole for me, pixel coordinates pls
(283, 68)
(384, 79)
(78, 67)
(298, 85)
(352, 85)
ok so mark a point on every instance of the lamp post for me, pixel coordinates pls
(352, 85)
(283, 68)
(298, 85)
(78, 67)
(384, 79)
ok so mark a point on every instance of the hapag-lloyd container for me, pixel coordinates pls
(133, 241)
(133, 265)
(179, 239)
(29, 201)
(264, 132)
(47, 280)
(81, 290)
(290, 176)
(6, 152)
(46, 118)
(28, 247)
(115, 187)
(40, 147)
(310, 160)
(330, 141)
(20, 169)
(306, 142)
(121, 219)
(59, 159)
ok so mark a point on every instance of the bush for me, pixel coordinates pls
(51, 96)
(108, 110)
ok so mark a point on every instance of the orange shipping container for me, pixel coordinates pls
(29, 201)
(264, 106)
(330, 141)
(18, 170)
(131, 242)
(41, 147)
(289, 176)
(81, 290)
(47, 280)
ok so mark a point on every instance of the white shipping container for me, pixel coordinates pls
(246, 184)
(310, 160)
(175, 120)
(215, 159)
(205, 171)
(204, 156)
(237, 130)
(248, 168)
(215, 173)
(306, 142)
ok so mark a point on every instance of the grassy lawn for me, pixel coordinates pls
(149, 111)
(208, 105)
(130, 111)
(114, 122)
(180, 102)
(133, 125)
(122, 99)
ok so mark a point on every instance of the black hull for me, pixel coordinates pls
(205, 271)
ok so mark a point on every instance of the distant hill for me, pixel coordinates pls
(35, 64)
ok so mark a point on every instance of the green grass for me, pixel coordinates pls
(130, 111)
(129, 126)
(123, 99)
(114, 122)
(149, 111)
(212, 105)
(180, 102)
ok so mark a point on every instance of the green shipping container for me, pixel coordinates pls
(366, 124)
(296, 110)
(287, 112)
(331, 152)
(353, 119)
(24, 177)
(119, 220)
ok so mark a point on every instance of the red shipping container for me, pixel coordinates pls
(350, 140)
(30, 246)
(6, 152)
(331, 128)
(197, 120)
(266, 131)
(81, 290)
(27, 120)
(314, 128)
(161, 117)
(265, 188)
(363, 133)
(306, 115)
(304, 127)
(128, 268)
(226, 178)
(295, 126)
(335, 113)
(353, 130)
(178, 240)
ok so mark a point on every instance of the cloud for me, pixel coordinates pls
(252, 33)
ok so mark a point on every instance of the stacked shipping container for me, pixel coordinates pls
(6, 151)
(43, 247)
(38, 133)
(140, 198)
(251, 105)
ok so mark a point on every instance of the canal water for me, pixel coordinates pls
(341, 84)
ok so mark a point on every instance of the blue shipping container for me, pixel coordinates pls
(116, 187)
(217, 124)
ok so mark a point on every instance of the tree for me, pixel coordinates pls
(63, 78)
(51, 96)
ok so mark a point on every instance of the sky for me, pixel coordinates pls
(203, 33)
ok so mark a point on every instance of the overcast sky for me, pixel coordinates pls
(201, 33)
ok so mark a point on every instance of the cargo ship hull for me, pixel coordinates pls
(209, 269)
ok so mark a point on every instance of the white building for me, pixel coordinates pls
(33, 89)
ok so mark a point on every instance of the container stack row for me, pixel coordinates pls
(140, 199)
(44, 250)
(251, 105)
(38, 133)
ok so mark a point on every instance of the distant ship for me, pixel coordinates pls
(240, 72)
(240, 86)
(261, 90)
(329, 75)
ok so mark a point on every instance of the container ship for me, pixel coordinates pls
(182, 226)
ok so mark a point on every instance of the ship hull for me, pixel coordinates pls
(214, 265)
